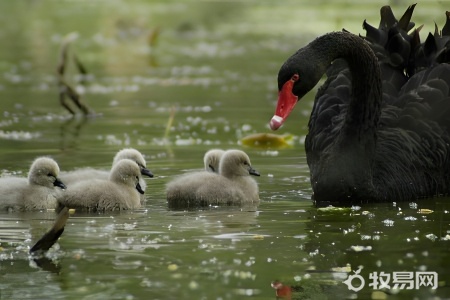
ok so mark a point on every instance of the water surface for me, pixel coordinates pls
(215, 65)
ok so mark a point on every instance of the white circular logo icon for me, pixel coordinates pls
(349, 281)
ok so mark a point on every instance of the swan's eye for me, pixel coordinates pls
(246, 163)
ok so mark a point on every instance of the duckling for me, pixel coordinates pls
(35, 192)
(122, 190)
(232, 186)
(90, 173)
(212, 159)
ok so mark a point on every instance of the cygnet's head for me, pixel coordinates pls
(127, 172)
(44, 171)
(212, 160)
(236, 163)
(136, 156)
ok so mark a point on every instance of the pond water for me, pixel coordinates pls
(213, 65)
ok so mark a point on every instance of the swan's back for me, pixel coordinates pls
(71, 177)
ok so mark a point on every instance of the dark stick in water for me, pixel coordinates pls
(50, 238)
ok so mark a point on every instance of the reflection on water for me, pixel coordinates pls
(217, 68)
(227, 252)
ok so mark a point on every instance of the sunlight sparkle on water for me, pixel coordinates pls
(388, 222)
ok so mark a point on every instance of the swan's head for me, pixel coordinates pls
(127, 172)
(136, 156)
(236, 163)
(44, 171)
(212, 159)
(297, 76)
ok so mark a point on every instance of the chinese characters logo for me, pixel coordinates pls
(394, 280)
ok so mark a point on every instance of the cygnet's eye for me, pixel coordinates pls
(245, 162)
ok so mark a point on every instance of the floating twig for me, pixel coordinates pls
(52, 236)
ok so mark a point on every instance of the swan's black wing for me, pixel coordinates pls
(414, 138)
(392, 45)
(435, 50)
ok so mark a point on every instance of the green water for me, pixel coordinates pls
(215, 64)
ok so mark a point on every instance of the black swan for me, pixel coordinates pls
(380, 126)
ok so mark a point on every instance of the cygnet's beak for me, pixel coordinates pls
(146, 172)
(59, 183)
(139, 188)
(253, 172)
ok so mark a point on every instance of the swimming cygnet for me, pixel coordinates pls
(39, 191)
(232, 186)
(89, 173)
(212, 159)
(121, 191)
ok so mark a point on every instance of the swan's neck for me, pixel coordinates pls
(366, 92)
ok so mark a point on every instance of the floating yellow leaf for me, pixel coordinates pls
(333, 209)
(267, 140)
(347, 269)
(424, 211)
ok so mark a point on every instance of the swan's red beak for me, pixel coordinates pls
(286, 103)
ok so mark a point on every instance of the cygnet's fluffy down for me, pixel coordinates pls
(39, 191)
(232, 186)
(211, 160)
(121, 191)
(89, 173)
